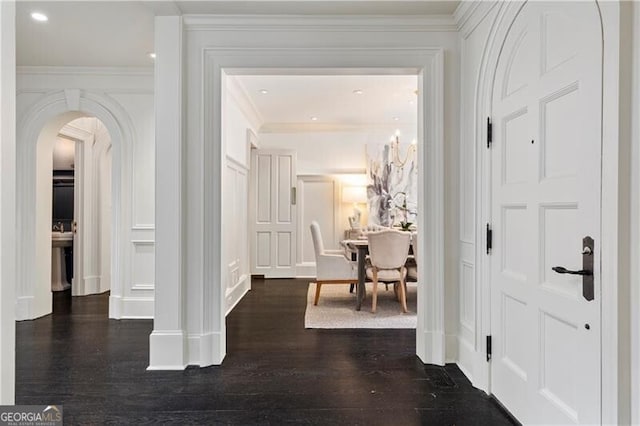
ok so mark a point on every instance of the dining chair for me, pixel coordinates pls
(412, 270)
(332, 266)
(388, 251)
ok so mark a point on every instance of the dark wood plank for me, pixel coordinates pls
(276, 371)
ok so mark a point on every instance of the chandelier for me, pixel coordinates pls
(396, 158)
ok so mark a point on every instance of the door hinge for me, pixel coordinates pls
(489, 132)
(489, 239)
(488, 348)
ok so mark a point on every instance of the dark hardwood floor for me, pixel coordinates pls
(276, 372)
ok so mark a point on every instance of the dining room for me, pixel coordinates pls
(340, 151)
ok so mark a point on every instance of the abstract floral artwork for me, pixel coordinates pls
(392, 188)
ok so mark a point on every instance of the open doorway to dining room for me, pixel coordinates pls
(338, 147)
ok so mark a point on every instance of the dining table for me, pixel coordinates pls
(361, 248)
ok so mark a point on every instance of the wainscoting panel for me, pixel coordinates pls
(236, 256)
(143, 268)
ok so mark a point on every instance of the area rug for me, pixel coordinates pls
(337, 308)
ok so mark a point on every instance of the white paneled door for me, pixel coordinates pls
(273, 213)
(546, 178)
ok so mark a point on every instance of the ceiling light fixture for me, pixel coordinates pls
(396, 118)
(152, 55)
(264, 91)
(314, 118)
(395, 151)
(358, 92)
(38, 16)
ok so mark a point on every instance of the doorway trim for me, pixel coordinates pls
(428, 64)
(612, 390)
(49, 115)
(207, 345)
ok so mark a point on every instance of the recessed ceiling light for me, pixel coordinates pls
(152, 55)
(39, 16)
(396, 118)
(314, 118)
(264, 91)
(410, 102)
(358, 92)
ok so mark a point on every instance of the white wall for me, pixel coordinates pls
(7, 202)
(328, 160)
(124, 100)
(476, 24)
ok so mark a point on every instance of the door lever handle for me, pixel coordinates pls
(563, 270)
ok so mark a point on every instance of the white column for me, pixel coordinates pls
(7, 201)
(168, 349)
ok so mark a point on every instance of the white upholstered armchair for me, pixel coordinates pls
(332, 266)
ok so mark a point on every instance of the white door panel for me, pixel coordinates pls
(546, 160)
(273, 213)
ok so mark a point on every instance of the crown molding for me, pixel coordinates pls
(239, 93)
(329, 127)
(305, 23)
(102, 71)
(71, 131)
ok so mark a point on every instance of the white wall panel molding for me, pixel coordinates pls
(319, 24)
(469, 14)
(635, 213)
(143, 227)
(474, 19)
(168, 343)
(89, 71)
(8, 231)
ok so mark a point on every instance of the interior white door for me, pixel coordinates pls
(546, 177)
(273, 213)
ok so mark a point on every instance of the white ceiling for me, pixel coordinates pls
(118, 33)
(294, 99)
(85, 33)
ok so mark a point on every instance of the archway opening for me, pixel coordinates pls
(73, 214)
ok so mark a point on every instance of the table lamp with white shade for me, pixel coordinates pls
(356, 195)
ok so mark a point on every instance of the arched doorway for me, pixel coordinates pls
(42, 123)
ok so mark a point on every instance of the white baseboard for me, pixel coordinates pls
(451, 348)
(91, 286)
(137, 308)
(234, 295)
(466, 354)
(26, 310)
(306, 270)
(167, 350)
(115, 307)
(430, 347)
(105, 283)
(23, 308)
(206, 349)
